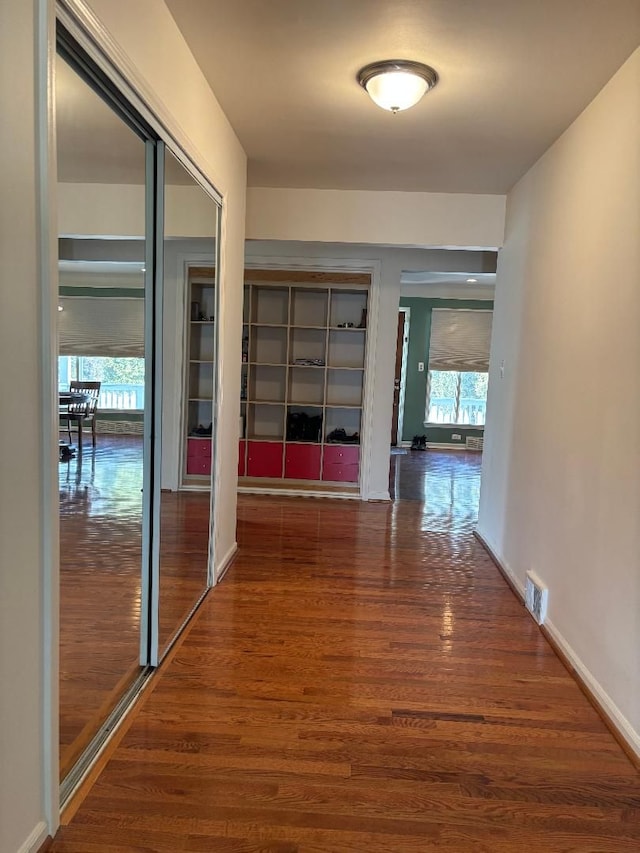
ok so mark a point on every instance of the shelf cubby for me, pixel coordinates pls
(202, 304)
(270, 305)
(308, 344)
(309, 307)
(304, 424)
(265, 422)
(201, 341)
(344, 387)
(267, 384)
(199, 414)
(349, 420)
(268, 345)
(201, 380)
(306, 385)
(346, 348)
(347, 306)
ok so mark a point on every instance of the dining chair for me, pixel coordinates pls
(86, 410)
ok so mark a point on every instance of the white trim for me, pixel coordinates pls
(506, 568)
(624, 728)
(441, 445)
(403, 370)
(221, 569)
(436, 425)
(47, 226)
(297, 493)
(379, 496)
(371, 267)
(36, 839)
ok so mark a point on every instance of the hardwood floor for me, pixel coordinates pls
(100, 580)
(363, 680)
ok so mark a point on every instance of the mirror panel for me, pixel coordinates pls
(101, 379)
(189, 360)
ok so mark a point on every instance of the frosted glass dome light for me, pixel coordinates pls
(397, 84)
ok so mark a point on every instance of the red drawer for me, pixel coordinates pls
(242, 458)
(264, 459)
(199, 448)
(302, 461)
(198, 465)
(339, 454)
(338, 473)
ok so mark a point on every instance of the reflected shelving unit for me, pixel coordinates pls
(199, 379)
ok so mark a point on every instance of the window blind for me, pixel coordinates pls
(460, 339)
(95, 326)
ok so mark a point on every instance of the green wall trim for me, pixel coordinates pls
(416, 381)
(120, 415)
(103, 292)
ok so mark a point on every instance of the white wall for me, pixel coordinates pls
(561, 469)
(147, 33)
(21, 611)
(392, 263)
(446, 220)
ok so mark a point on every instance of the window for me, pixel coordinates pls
(457, 397)
(122, 379)
(458, 366)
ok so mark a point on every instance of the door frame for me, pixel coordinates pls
(403, 371)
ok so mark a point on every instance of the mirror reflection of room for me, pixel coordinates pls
(190, 297)
(101, 375)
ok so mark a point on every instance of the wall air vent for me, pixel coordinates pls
(536, 596)
(474, 442)
(119, 427)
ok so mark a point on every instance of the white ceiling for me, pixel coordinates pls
(513, 75)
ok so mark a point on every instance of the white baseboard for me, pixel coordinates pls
(378, 496)
(441, 445)
(608, 708)
(226, 561)
(516, 584)
(612, 716)
(297, 493)
(36, 839)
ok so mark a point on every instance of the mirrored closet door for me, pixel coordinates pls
(136, 360)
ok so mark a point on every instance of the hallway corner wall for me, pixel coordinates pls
(566, 336)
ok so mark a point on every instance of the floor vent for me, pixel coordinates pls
(474, 442)
(536, 595)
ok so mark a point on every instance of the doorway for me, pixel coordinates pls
(399, 375)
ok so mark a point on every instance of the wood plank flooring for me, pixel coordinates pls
(364, 680)
(100, 580)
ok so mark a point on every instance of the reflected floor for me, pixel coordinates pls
(100, 579)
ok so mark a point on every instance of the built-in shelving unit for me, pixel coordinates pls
(199, 378)
(303, 370)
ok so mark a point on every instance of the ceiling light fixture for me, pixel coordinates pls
(396, 84)
(471, 280)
